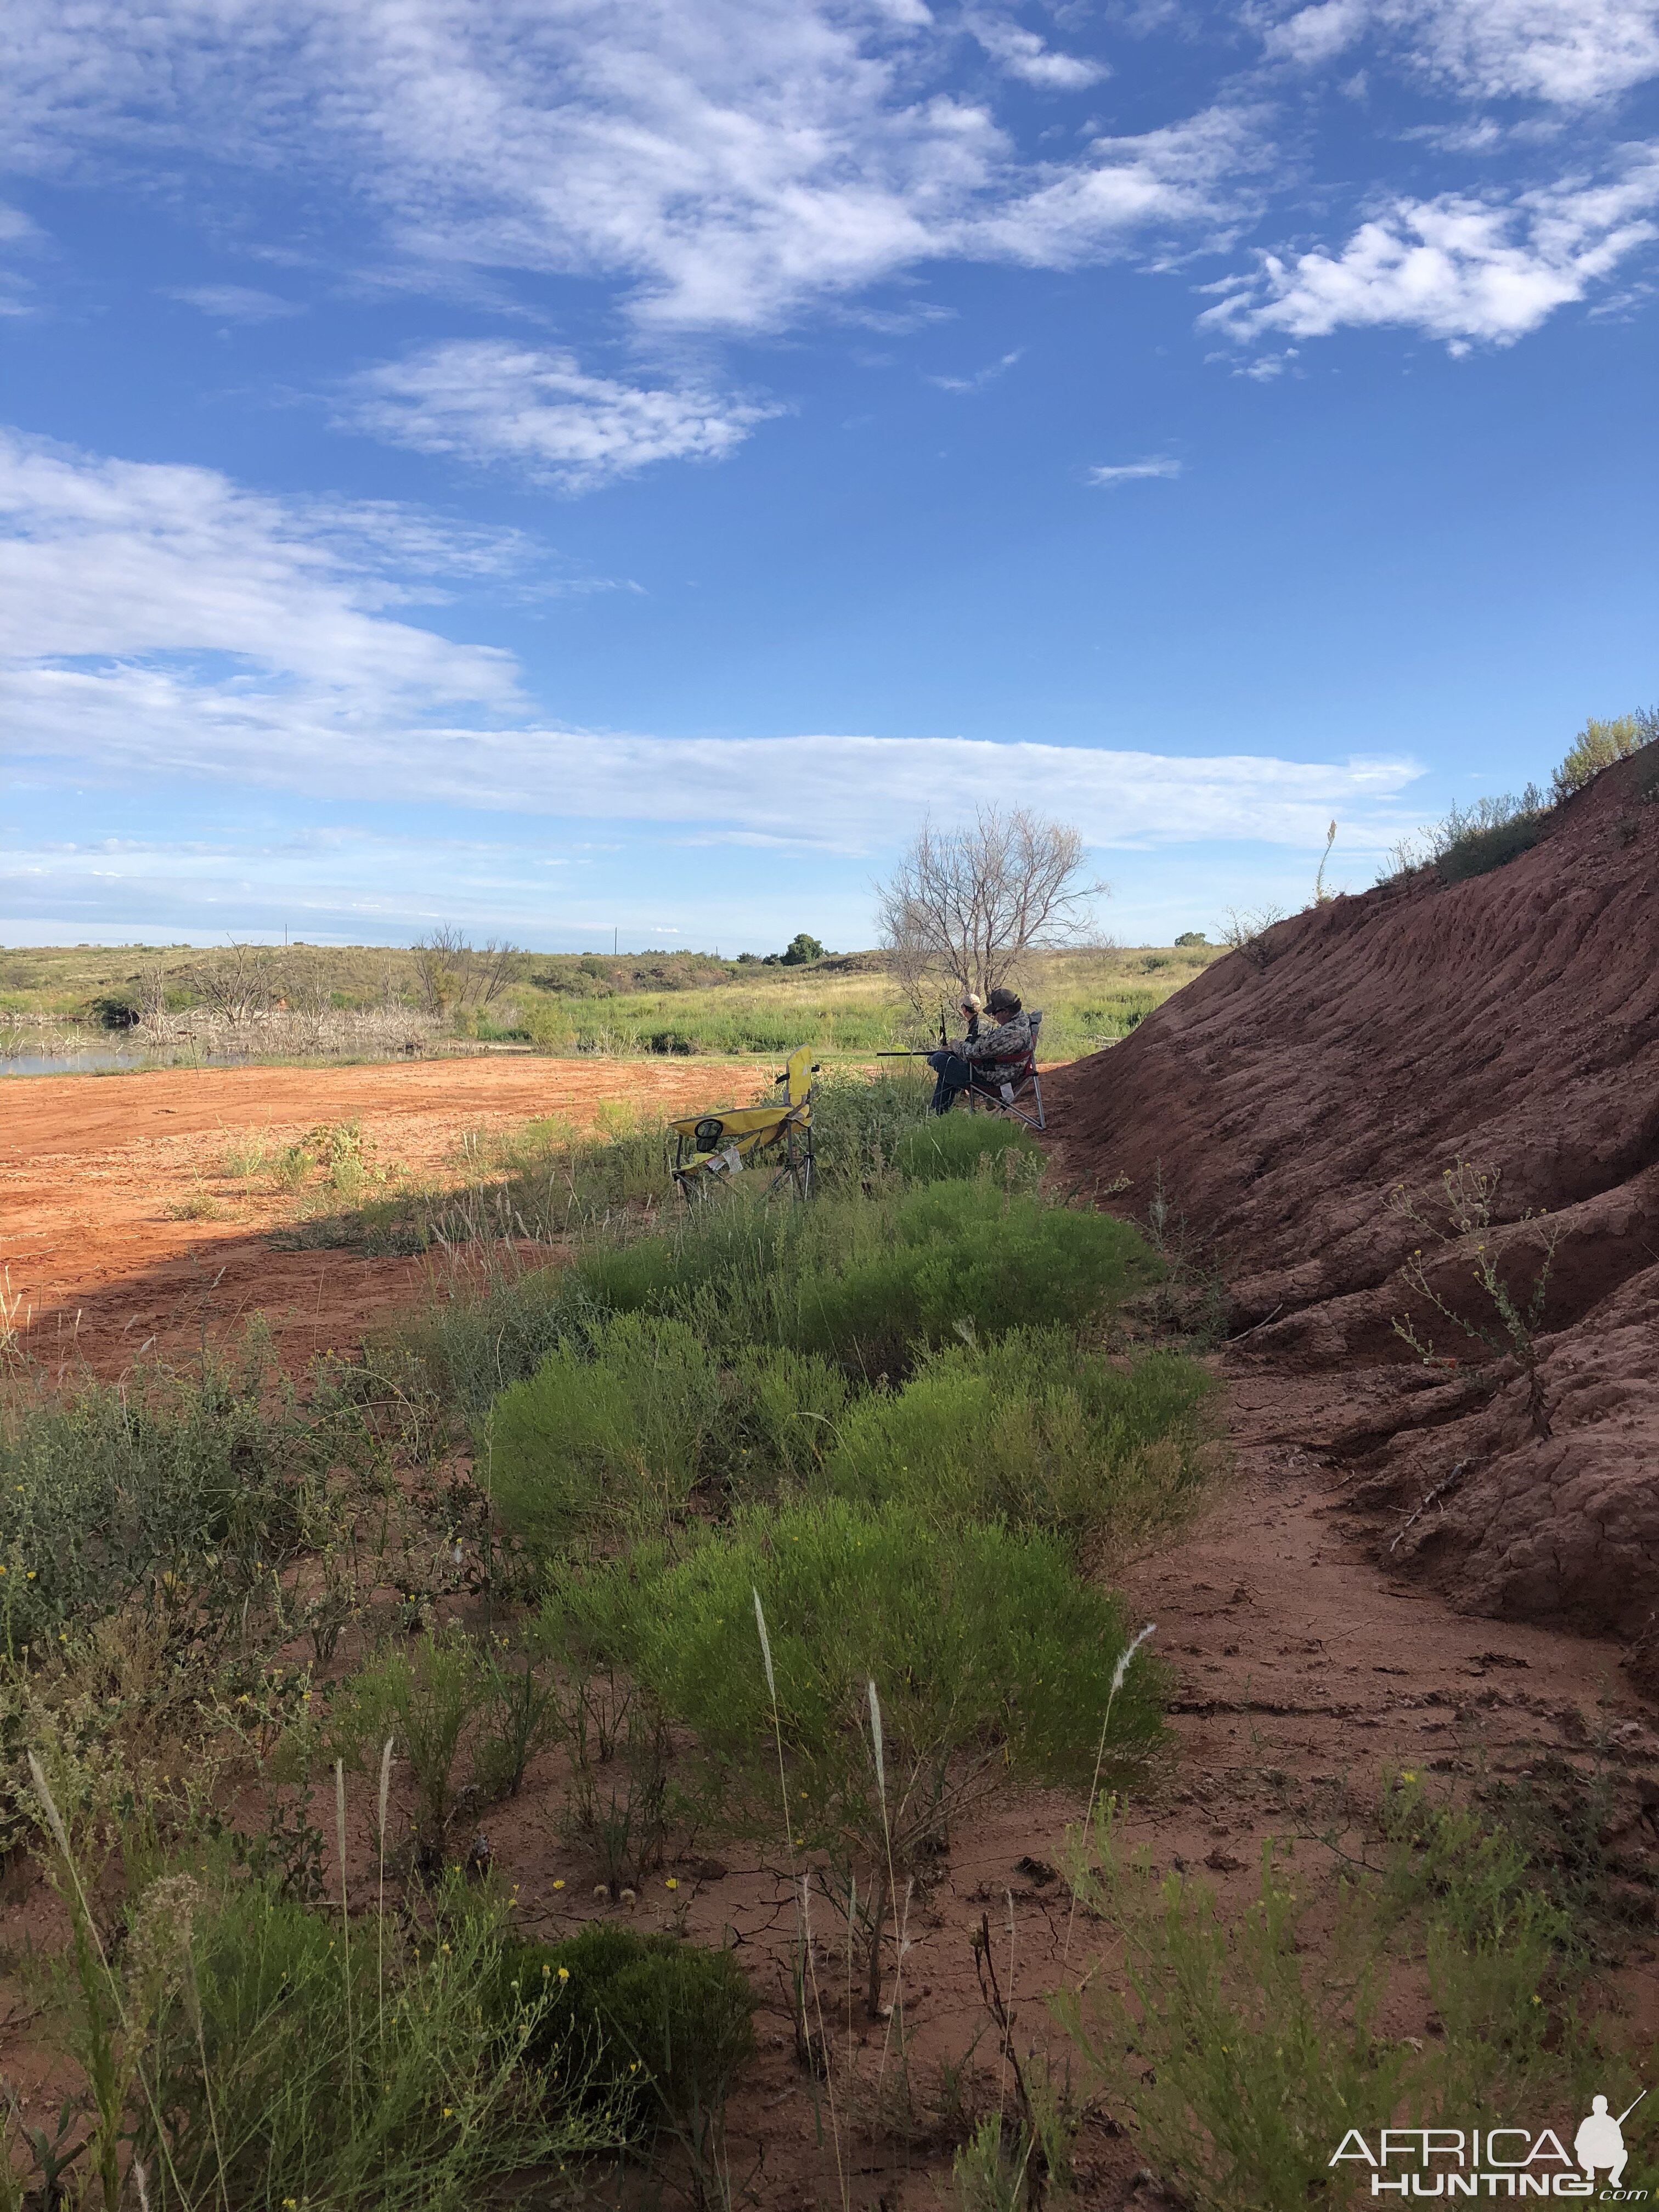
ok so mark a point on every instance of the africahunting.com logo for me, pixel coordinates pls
(1453, 2162)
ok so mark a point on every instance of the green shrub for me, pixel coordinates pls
(1599, 744)
(787, 1408)
(289, 2068)
(955, 1145)
(660, 2028)
(1036, 1432)
(965, 1257)
(986, 1652)
(1472, 840)
(200, 1476)
(618, 1436)
(867, 1280)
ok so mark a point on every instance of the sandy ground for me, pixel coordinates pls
(93, 1262)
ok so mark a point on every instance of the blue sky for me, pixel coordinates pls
(557, 468)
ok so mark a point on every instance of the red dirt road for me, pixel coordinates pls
(93, 1264)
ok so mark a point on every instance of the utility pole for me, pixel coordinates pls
(616, 941)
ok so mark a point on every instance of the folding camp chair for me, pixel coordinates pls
(712, 1148)
(1015, 1089)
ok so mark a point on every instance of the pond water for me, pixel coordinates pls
(103, 1060)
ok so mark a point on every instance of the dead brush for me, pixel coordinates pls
(1497, 1256)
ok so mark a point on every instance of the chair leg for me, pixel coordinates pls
(1037, 1092)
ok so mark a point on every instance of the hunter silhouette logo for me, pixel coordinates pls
(1453, 2162)
(1600, 2141)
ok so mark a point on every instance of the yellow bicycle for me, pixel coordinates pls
(712, 1148)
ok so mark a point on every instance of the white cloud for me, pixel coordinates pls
(235, 303)
(1317, 34)
(1570, 52)
(1185, 178)
(980, 377)
(1458, 268)
(1156, 464)
(158, 622)
(109, 561)
(1024, 55)
(732, 162)
(492, 402)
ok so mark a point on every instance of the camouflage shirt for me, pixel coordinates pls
(1009, 1041)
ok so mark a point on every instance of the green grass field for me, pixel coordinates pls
(565, 1004)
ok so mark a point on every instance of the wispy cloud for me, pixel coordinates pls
(161, 622)
(731, 164)
(1458, 268)
(1121, 473)
(235, 303)
(496, 403)
(980, 378)
(108, 562)
(1570, 53)
(1024, 55)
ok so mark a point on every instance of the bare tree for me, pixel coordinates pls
(451, 973)
(965, 906)
(237, 985)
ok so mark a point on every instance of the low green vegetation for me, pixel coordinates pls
(907, 1669)
(1241, 2047)
(308, 1001)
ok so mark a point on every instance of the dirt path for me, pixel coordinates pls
(94, 1170)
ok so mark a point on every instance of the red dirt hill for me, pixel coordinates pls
(1512, 1021)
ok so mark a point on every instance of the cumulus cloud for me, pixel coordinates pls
(494, 403)
(731, 162)
(1156, 464)
(1569, 52)
(1458, 268)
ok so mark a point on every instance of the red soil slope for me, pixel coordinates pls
(1511, 1020)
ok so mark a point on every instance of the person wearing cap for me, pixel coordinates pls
(1005, 1046)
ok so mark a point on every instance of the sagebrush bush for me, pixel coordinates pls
(965, 1257)
(989, 1654)
(1038, 1431)
(612, 1434)
(616, 1436)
